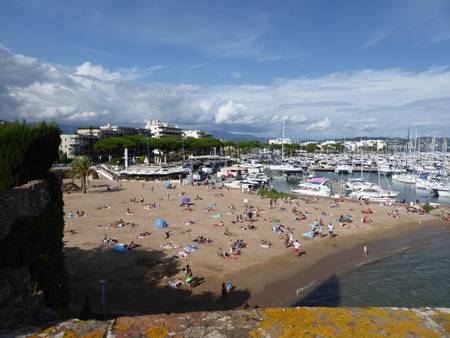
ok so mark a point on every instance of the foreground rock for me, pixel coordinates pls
(274, 322)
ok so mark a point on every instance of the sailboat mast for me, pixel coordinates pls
(282, 142)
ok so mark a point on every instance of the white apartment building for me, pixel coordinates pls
(159, 129)
(280, 141)
(196, 133)
(70, 144)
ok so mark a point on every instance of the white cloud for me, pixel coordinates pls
(319, 125)
(232, 112)
(369, 101)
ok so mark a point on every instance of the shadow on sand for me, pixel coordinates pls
(326, 294)
(137, 283)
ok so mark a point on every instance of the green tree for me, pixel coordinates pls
(81, 168)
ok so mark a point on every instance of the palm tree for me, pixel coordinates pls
(81, 168)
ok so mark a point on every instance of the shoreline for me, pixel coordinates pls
(288, 288)
(138, 281)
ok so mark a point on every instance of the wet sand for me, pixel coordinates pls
(138, 280)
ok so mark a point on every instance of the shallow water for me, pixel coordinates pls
(407, 191)
(413, 278)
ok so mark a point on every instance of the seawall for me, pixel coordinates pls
(272, 322)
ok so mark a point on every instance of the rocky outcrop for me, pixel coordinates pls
(275, 322)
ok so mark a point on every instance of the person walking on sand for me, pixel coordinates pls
(297, 246)
(331, 230)
(365, 251)
(168, 196)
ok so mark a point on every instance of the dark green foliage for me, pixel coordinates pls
(201, 145)
(427, 207)
(37, 242)
(275, 194)
(26, 153)
(138, 144)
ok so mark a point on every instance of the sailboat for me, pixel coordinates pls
(280, 170)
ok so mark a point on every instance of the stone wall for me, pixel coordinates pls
(32, 273)
(275, 322)
(27, 200)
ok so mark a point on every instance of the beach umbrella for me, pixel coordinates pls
(185, 200)
(121, 248)
(168, 185)
(160, 223)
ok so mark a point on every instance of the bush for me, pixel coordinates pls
(26, 153)
(427, 207)
(274, 194)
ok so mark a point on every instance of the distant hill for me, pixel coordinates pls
(232, 136)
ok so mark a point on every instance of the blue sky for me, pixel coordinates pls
(330, 68)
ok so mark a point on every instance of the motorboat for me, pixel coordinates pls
(314, 187)
(355, 184)
(343, 169)
(374, 193)
(405, 178)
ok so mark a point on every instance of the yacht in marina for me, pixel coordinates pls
(314, 187)
(405, 178)
(343, 169)
(374, 193)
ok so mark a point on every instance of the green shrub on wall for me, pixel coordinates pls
(26, 153)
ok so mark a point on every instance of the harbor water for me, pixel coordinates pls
(407, 192)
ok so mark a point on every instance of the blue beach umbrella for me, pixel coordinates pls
(160, 223)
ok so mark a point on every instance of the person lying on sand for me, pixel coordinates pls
(133, 245)
(109, 240)
(143, 234)
(129, 212)
(198, 198)
(266, 244)
(248, 227)
(220, 224)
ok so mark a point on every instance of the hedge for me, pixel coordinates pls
(26, 153)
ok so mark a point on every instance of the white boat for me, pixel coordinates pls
(233, 171)
(343, 169)
(374, 193)
(285, 168)
(405, 178)
(355, 184)
(314, 187)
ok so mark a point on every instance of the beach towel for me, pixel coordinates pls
(217, 216)
(309, 234)
(191, 248)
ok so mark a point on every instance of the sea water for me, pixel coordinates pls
(416, 277)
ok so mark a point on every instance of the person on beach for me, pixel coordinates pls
(331, 230)
(224, 291)
(189, 279)
(365, 251)
(297, 246)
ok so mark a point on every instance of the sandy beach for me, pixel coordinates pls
(138, 281)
